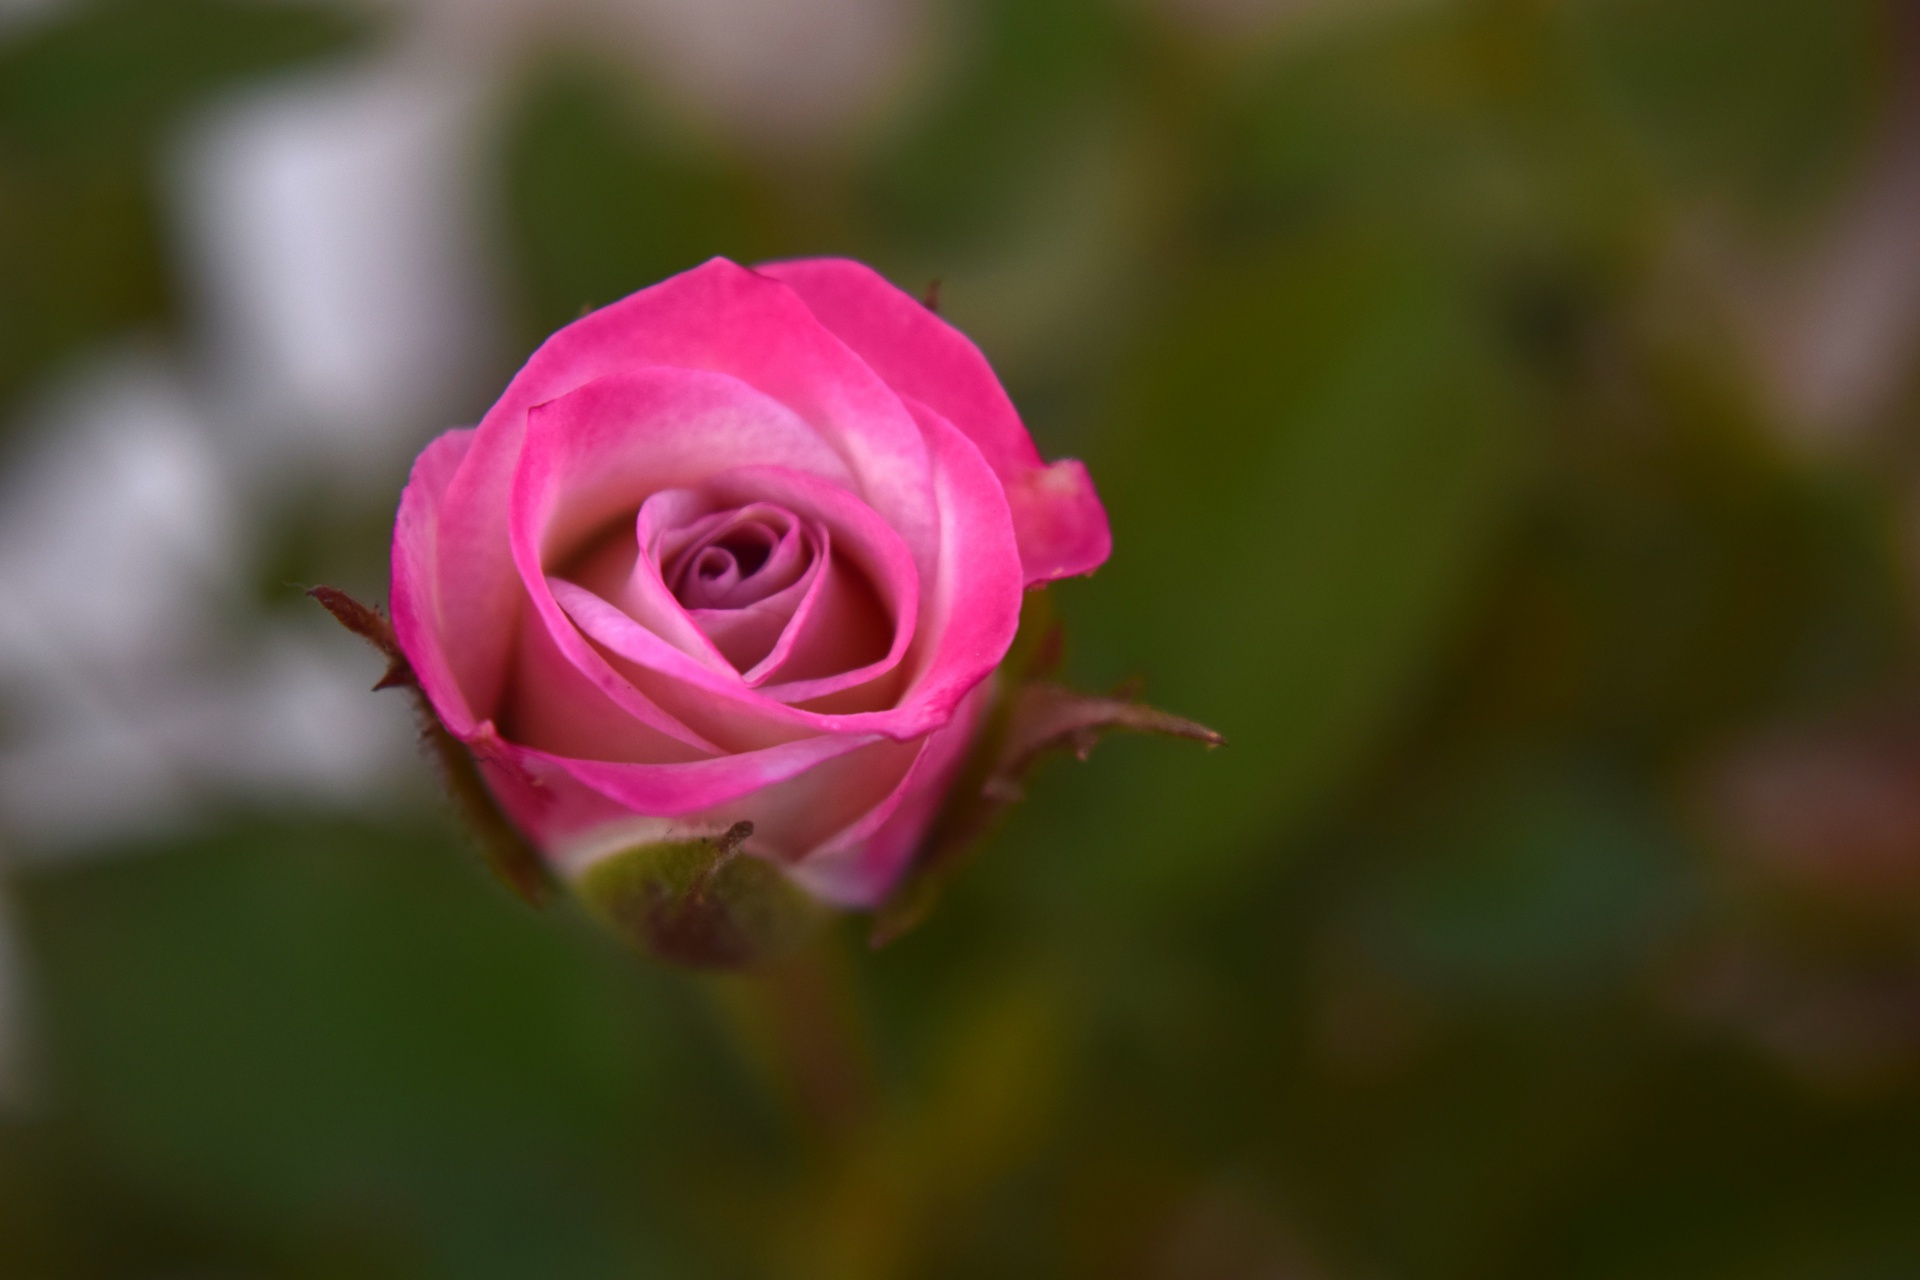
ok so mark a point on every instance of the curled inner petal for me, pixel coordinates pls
(756, 587)
(745, 556)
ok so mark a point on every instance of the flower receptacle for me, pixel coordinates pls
(700, 902)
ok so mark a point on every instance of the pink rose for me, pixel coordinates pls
(746, 545)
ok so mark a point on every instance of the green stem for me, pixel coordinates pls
(800, 1017)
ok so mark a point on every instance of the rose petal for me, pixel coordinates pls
(670, 790)
(720, 318)
(555, 810)
(644, 595)
(595, 455)
(718, 703)
(768, 629)
(616, 571)
(838, 638)
(786, 551)
(743, 636)
(832, 638)
(1061, 525)
(415, 596)
(755, 638)
(859, 866)
(793, 818)
(971, 608)
(555, 706)
(565, 804)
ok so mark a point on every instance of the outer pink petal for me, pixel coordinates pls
(553, 809)
(793, 818)
(415, 593)
(1061, 525)
(972, 604)
(721, 318)
(562, 803)
(670, 790)
(860, 866)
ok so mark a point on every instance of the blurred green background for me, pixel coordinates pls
(1507, 416)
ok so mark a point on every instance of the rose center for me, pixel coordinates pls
(761, 582)
(741, 558)
(740, 554)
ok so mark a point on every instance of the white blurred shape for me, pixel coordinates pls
(114, 528)
(293, 721)
(1834, 330)
(130, 690)
(1842, 340)
(334, 225)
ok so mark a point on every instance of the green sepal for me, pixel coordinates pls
(701, 902)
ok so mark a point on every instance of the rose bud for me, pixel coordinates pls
(714, 593)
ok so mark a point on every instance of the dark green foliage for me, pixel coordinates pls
(1021, 77)
(343, 1034)
(1762, 101)
(605, 201)
(87, 100)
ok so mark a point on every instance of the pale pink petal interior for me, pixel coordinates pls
(724, 600)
